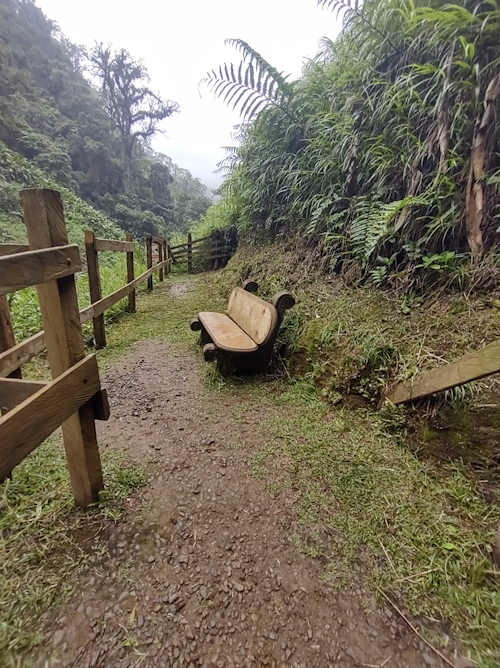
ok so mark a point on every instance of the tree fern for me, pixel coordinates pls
(252, 85)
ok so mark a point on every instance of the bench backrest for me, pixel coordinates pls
(256, 317)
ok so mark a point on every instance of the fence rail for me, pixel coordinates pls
(100, 304)
(216, 250)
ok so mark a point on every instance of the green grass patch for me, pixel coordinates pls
(371, 509)
(41, 537)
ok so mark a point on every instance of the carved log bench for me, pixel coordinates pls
(243, 337)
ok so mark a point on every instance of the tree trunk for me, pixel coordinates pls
(475, 195)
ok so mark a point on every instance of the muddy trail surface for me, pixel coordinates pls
(202, 568)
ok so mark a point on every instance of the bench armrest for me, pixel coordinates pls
(195, 324)
(283, 301)
(250, 286)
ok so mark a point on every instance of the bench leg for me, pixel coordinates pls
(209, 352)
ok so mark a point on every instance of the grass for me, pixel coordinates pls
(352, 339)
(372, 508)
(40, 538)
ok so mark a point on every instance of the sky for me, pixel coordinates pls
(180, 40)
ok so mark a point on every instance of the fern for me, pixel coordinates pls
(252, 86)
(373, 222)
(354, 9)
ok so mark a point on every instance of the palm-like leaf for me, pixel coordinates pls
(354, 9)
(252, 85)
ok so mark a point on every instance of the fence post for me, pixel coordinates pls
(7, 338)
(189, 253)
(215, 247)
(160, 259)
(44, 219)
(95, 287)
(149, 259)
(130, 277)
(166, 256)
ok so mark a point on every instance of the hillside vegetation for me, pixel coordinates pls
(17, 173)
(53, 115)
(385, 154)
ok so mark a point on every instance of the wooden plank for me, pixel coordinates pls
(114, 245)
(10, 249)
(157, 240)
(37, 266)
(131, 308)
(28, 424)
(225, 333)
(15, 390)
(106, 302)
(469, 367)
(189, 254)
(203, 256)
(21, 353)
(95, 287)
(160, 258)
(7, 338)
(166, 256)
(184, 245)
(44, 219)
(149, 259)
(178, 248)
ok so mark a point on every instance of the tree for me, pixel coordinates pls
(134, 108)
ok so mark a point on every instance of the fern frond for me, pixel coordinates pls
(252, 86)
(373, 221)
(354, 9)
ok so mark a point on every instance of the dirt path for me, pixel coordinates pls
(202, 569)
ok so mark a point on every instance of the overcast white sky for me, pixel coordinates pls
(179, 40)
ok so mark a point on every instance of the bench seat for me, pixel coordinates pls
(225, 333)
(243, 337)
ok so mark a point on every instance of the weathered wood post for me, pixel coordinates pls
(189, 253)
(130, 277)
(166, 256)
(95, 287)
(215, 238)
(149, 259)
(7, 338)
(160, 259)
(44, 219)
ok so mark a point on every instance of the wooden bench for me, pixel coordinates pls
(243, 337)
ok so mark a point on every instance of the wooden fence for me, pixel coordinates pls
(212, 251)
(32, 410)
(73, 399)
(100, 304)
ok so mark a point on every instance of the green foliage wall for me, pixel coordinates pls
(373, 153)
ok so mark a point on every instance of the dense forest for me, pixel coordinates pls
(84, 121)
(385, 154)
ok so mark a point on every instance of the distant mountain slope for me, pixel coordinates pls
(53, 116)
(16, 173)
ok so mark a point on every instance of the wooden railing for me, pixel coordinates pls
(211, 249)
(13, 355)
(32, 410)
(99, 304)
(73, 399)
